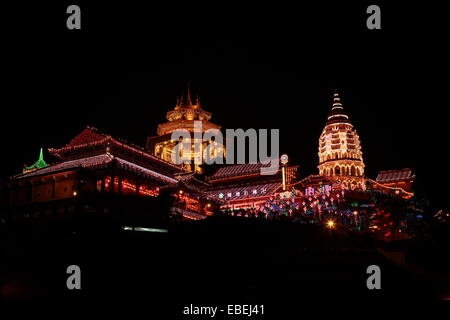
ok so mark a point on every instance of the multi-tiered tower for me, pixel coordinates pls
(340, 155)
(184, 116)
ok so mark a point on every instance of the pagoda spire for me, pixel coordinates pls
(182, 98)
(336, 101)
(189, 101)
(337, 113)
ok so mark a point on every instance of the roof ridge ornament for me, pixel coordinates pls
(39, 164)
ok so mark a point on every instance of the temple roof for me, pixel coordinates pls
(237, 170)
(183, 115)
(96, 162)
(388, 176)
(37, 165)
(66, 165)
(87, 136)
(92, 137)
(187, 109)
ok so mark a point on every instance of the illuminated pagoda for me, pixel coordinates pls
(183, 116)
(37, 165)
(340, 155)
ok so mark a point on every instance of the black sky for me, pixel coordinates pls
(259, 66)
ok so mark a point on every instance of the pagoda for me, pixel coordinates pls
(340, 155)
(183, 116)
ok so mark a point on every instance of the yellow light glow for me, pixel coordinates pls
(75, 193)
(330, 224)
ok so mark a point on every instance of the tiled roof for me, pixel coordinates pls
(92, 136)
(96, 161)
(394, 176)
(237, 170)
(245, 191)
(135, 167)
(87, 136)
(84, 163)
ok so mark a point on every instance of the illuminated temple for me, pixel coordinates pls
(183, 117)
(98, 173)
(340, 155)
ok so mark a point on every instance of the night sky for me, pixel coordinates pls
(262, 66)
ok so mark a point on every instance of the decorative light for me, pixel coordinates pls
(284, 159)
(330, 224)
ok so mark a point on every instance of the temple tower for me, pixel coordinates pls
(184, 115)
(340, 155)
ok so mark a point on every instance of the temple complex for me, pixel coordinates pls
(96, 172)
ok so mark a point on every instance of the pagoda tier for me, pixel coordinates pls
(184, 114)
(340, 155)
(183, 117)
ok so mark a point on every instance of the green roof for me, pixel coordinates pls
(38, 164)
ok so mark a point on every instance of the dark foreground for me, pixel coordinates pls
(286, 267)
